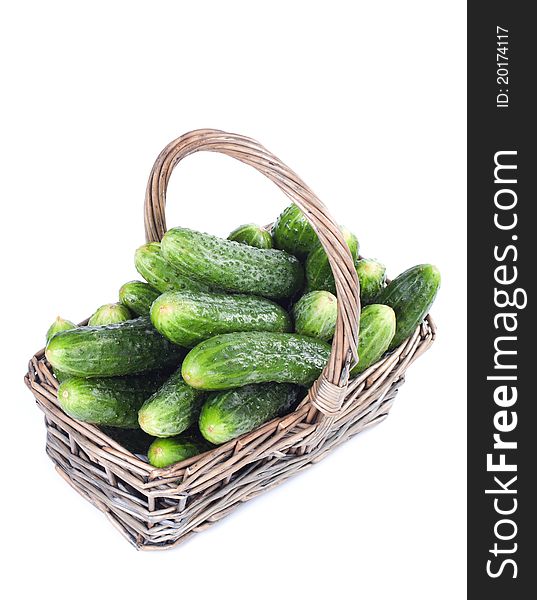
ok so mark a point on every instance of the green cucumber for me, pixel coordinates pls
(112, 401)
(167, 451)
(293, 233)
(138, 296)
(110, 350)
(59, 325)
(158, 272)
(236, 359)
(411, 295)
(187, 318)
(172, 409)
(232, 266)
(110, 313)
(251, 235)
(372, 277)
(377, 328)
(226, 415)
(319, 274)
(315, 315)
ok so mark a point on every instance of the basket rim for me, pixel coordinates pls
(160, 475)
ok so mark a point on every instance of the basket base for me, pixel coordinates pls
(245, 485)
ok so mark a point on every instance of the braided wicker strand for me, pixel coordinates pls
(327, 395)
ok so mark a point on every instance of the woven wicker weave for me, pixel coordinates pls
(159, 508)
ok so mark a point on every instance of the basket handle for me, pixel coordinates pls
(328, 391)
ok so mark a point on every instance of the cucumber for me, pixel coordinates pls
(377, 328)
(59, 325)
(319, 275)
(232, 266)
(158, 272)
(411, 295)
(167, 451)
(110, 313)
(292, 232)
(226, 415)
(251, 235)
(172, 409)
(110, 350)
(112, 401)
(187, 318)
(315, 315)
(134, 440)
(138, 296)
(236, 359)
(372, 277)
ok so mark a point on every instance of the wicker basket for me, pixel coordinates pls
(159, 508)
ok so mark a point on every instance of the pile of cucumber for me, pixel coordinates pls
(223, 335)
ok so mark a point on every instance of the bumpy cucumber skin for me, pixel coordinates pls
(377, 328)
(187, 318)
(107, 314)
(59, 325)
(111, 350)
(164, 452)
(411, 295)
(292, 232)
(372, 277)
(315, 315)
(138, 297)
(236, 359)
(232, 266)
(251, 235)
(319, 274)
(112, 401)
(172, 409)
(159, 273)
(226, 415)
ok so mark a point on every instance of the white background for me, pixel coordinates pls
(366, 101)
